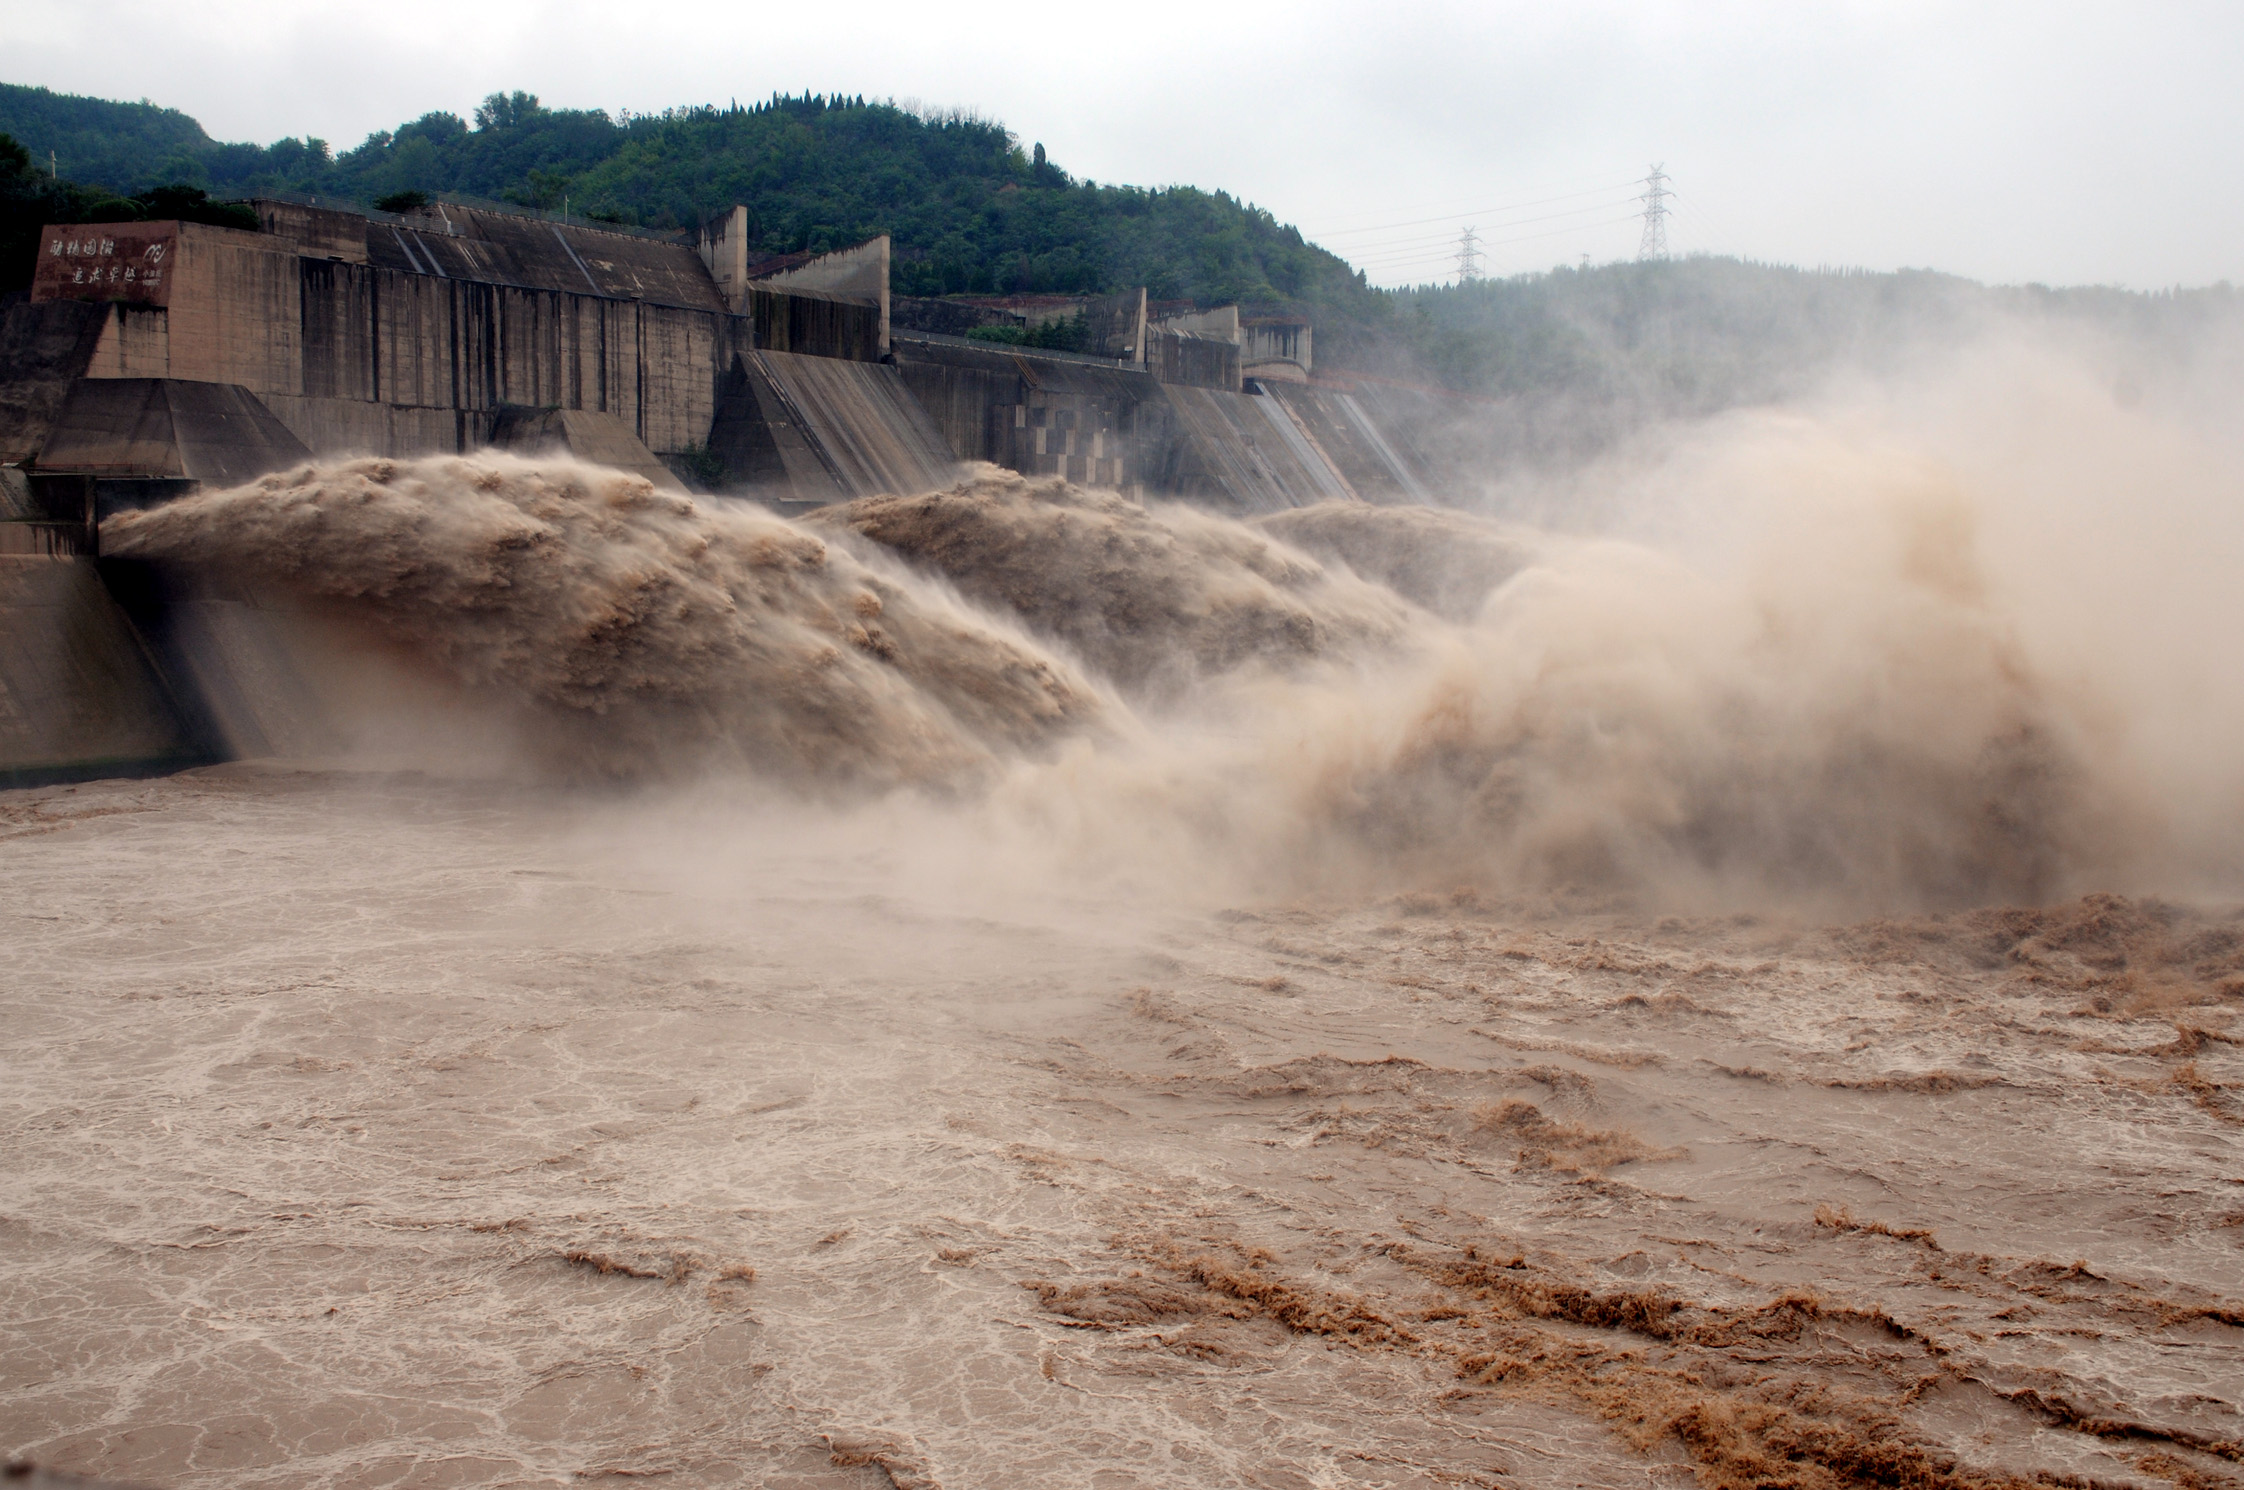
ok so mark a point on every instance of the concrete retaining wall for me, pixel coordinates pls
(117, 669)
(81, 693)
(43, 348)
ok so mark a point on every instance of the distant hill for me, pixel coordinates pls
(121, 148)
(1576, 359)
(1725, 329)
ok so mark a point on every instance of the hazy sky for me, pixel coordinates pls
(2006, 141)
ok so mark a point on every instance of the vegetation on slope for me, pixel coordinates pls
(31, 198)
(1707, 333)
(1573, 360)
(968, 208)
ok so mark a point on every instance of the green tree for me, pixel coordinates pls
(967, 207)
(32, 199)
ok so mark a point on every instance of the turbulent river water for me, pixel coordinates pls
(1017, 987)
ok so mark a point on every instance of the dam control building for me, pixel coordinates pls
(153, 358)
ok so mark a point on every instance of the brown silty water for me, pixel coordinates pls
(1355, 999)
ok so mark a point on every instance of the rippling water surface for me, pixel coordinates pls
(377, 1130)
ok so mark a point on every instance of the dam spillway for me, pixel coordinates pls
(151, 360)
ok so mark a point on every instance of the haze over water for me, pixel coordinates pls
(1016, 987)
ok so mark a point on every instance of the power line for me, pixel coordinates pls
(1380, 226)
(1572, 196)
(1396, 262)
(1691, 209)
(1468, 257)
(1387, 265)
(1434, 254)
(1521, 222)
(1444, 247)
(1653, 245)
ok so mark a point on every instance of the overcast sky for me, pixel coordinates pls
(2007, 141)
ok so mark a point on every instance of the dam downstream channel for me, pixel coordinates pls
(1012, 985)
(545, 1140)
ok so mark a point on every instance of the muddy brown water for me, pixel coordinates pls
(378, 1130)
(1013, 988)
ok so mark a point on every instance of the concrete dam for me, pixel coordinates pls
(155, 359)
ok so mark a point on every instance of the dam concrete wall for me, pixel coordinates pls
(1094, 421)
(154, 358)
(244, 669)
(805, 431)
(1261, 448)
(427, 332)
(410, 336)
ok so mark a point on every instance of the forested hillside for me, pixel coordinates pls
(969, 208)
(1576, 358)
(1716, 331)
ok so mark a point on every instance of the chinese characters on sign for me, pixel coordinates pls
(107, 261)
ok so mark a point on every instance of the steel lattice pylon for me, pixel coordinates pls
(1653, 245)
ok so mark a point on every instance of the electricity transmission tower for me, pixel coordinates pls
(1468, 256)
(1653, 245)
